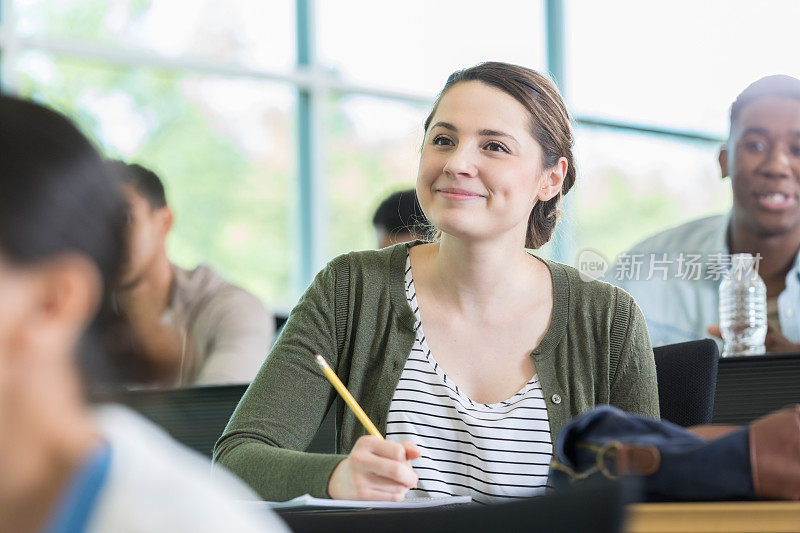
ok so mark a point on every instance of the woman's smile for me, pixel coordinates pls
(458, 195)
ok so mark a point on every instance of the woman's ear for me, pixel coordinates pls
(74, 290)
(68, 293)
(61, 297)
(553, 179)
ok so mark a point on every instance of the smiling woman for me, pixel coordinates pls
(513, 346)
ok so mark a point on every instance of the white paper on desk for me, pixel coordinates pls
(306, 500)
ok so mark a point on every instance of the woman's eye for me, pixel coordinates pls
(496, 147)
(795, 151)
(441, 140)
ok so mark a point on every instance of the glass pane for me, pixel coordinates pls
(255, 34)
(371, 150)
(678, 64)
(631, 186)
(224, 149)
(414, 45)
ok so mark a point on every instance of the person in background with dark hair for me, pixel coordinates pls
(196, 328)
(67, 467)
(513, 347)
(399, 218)
(762, 159)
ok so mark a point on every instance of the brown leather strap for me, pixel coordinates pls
(713, 431)
(775, 454)
(633, 460)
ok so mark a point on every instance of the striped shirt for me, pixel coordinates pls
(492, 452)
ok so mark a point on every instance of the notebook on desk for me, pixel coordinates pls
(308, 502)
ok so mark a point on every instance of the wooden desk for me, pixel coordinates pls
(727, 517)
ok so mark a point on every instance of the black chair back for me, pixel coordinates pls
(751, 386)
(197, 416)
(687, 378)
(280, 321)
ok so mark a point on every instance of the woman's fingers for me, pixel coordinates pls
(383, 448)
(397, 472)
(412, 452)
(376, 469)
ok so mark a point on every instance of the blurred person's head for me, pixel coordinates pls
(399, 218)
(61, 229)
(62, 226)
(497, 155)
(149, 222)
(762, 156)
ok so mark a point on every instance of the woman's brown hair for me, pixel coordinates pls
(550, 126)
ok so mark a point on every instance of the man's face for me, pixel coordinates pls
(763, 161)
(146, 233)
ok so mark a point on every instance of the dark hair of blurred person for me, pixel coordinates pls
(399, 218)
(146, 183)
(67, 466)
(776, 86)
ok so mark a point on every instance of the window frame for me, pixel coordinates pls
(312, 84)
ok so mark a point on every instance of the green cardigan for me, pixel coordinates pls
(595, 351)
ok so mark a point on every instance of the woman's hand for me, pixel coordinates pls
(376, 469)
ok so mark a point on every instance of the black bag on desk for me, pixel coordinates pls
(757, 461)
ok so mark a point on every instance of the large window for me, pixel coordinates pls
(676, 64)
(632, 185)
(272, 121)
(414, 45)
(243, 32)
(371, 150)
(224, 148)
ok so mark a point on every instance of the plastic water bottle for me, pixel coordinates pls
(743, 308)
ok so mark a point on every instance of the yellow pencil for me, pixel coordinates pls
(348, 398)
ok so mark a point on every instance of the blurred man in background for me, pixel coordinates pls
(675, 275)
(196, 328)
(399, 218)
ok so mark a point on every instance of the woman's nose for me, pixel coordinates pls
(462, 162)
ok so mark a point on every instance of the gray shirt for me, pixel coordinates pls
(225, 330)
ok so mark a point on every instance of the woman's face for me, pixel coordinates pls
(480, 172)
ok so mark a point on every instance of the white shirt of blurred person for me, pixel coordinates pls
(675, 275)
(195, 327)
(399, 218)
(65, 466)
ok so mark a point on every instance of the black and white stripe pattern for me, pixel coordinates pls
(493, 452)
